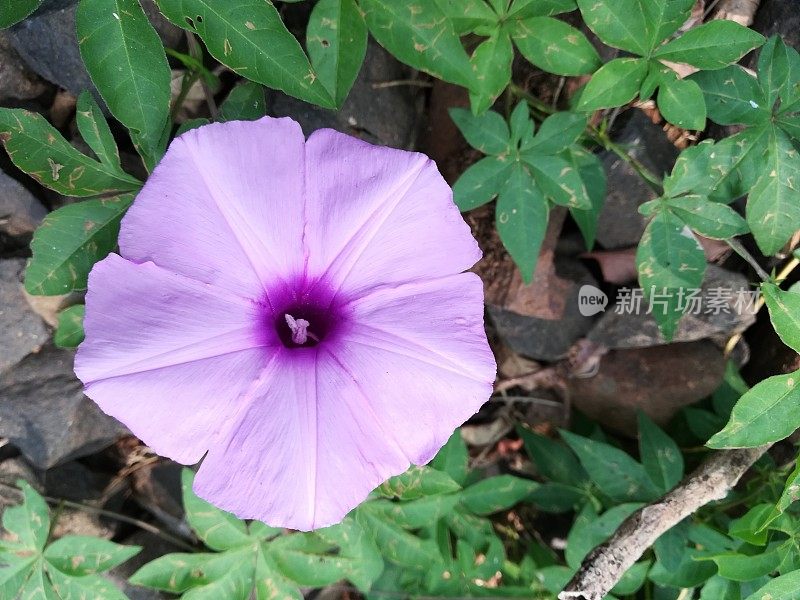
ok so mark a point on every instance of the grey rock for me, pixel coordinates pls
(17, 82)
(44, 413)
(781, 17)
(547, 339)
(11, 470)
(639, 330)
(20, 211)
(48, 43)
(386, 116)
(620, 225)
(21, 330)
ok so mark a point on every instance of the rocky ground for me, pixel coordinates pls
(607, 365)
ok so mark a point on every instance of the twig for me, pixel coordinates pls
(742, 251)
(197, 53)
(379, 85)
(711, 481)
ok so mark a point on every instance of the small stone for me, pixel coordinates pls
(20, 212)
(17, 82)
(45, 414)
(21, 330)
(620, 225)
(11, 470)
(659, 381)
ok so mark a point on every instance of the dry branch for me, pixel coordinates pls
(711, 481)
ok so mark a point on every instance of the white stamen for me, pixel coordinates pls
(299, 329)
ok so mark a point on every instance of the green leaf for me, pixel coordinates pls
(773, 207)
(712, 45)
(682, 103)
(558, 179)
(520, 123)
(15, 570)
(270, 583)
(773, 69)
(28, 523)
(69, 333)
(752, 526)
(617, 475)
(249, 37)
(417, 482)
(690, 573)
(733, 96)
(784, 311)
(37, 587)
(781, 588)
(453, 458)
(521, 219)
(556, 133)
(336, 39)
(555, 46)
(80, 555)
(397, 545)
(487, 132)
(191, 124)
(766, 413)
(671, 545)
(481, 182)
(245, 102)
(661, 457)
(70, 241)
(589, 530)
(593, 175)
(420, 35)
(632, 579)
(468, 15)
(95, 131)
(218, 529)
(178, 573)
(37, 148)
(13, 11)
(619, 23)
(614, 84)
(491, 64)
(791, 491)
(494, 494)
(127, 63)
(523, 9)
(557, 497)
(670, 261)
(665, 17)
(742, 567)
(554, 460)
(710, 219)
(719, 588)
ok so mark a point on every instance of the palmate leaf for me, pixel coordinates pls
(619, 23)
(126, 61)
(66, 569)
(615, 83)
(249, 37)
(491, 63)
(713, 45)
(555, 46)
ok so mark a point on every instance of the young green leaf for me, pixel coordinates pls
(773, 68)
(420, 35)
(249, 37)
(617, 475)
(487, 132)
(13, 11)
(669, 259)
(784, 311)
(491, 64)
(521, 124)
(773, 207)
(660, 455)
(733, 96)
(614, 84)
(766, 413)
(245, 102)
(521, 217)
(336, 39)
(555, 46)
(593, 175)
(95, 131)
(619, 23)
(682, 103)
(494, 494)
(710, 219)
(481, 182)
(70, 241)
(127, 63)
(791, 491)
(713, 45)
(69, 333)
(453, 458)
(37, 148)
(556, 133)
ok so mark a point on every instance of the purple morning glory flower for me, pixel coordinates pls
(294, 313)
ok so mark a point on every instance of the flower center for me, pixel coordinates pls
(299, 329)
(304, 323)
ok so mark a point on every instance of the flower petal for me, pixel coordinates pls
(377, 215)
(224, 206)
(341, 418)
(167, 355)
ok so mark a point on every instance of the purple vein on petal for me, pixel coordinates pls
(352, 250)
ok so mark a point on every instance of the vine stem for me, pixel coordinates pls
(599, 137)
(783, 274)
(742, 251)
